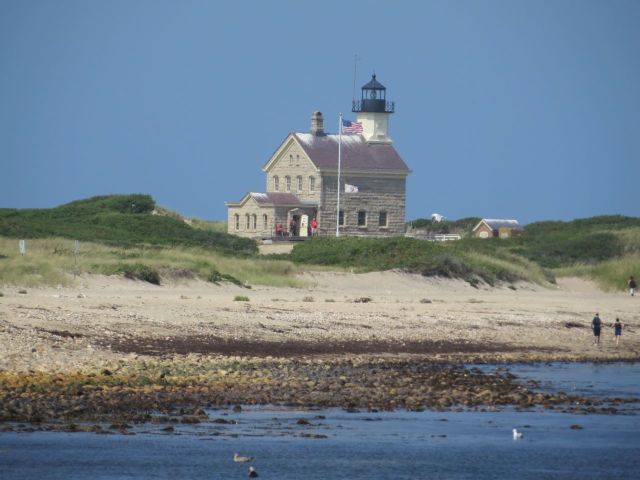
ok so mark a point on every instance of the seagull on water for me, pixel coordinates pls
(241, 458)
(253, 473)
(516, 434)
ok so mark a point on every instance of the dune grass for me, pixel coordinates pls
(209, 225)
(453, 260)
(52, 262)
(611, 275)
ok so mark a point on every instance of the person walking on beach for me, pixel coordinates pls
(596, 325)
(617, 327)
(633, 286)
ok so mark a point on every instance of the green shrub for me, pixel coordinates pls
(240, 298)
(217, 277)
(122, 220)
(139, 271)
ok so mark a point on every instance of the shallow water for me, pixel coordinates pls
(389, 445)
(599, 379)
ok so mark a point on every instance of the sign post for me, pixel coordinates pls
(22, 245)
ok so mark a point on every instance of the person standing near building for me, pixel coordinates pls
(596, 325)
(314, 226)
(632, 285)
(617, 328)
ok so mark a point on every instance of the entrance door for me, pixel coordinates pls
(304, 225)
(294, 225)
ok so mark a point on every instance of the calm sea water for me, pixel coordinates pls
(396, 445)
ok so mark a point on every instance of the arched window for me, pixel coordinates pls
(265, 221)
(248, 218)
(299, 182)
(297, 160)
(291, 160)
(287, 180)
(276, 183)
(312, 184)
(254, 221)
(236, 221)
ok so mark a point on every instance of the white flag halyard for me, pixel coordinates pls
(350, 188)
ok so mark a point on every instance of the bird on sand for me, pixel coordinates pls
(516, 434)
(241, 458)
(253, 473)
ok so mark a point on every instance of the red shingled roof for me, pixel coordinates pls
(275, 198)
(356, 154)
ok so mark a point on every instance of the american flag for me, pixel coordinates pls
(351, 127)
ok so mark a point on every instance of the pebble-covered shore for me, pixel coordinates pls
(182, 389)
(117, 351)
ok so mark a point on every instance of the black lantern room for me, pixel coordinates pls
(374, 98)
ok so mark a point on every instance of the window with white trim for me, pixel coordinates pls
(299, 182)
(248, 219)
(265, 221)
(254, 221)
(382, 219)
(362, 218)
(312, 184)
(236, 221)
(276, 183)
(287, 180)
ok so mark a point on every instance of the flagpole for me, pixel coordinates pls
(339, 165)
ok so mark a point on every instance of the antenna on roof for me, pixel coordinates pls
(356, 59)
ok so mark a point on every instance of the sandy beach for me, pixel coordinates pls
(105, 319)
(123, 351)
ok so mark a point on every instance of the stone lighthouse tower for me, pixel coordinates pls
(373, 111)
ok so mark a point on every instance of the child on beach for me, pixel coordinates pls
(596, 325)
(618, 326)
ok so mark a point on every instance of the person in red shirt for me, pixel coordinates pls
(314, 226)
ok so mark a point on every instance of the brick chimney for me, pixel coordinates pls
(317, 124)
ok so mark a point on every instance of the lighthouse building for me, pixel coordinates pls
(302, 179)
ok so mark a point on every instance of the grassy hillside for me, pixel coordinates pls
(589, 240)
(51, 261)
(117, 219)
(451, 259)
(603, 248)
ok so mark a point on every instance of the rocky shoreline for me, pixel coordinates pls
(182, 389)
(111, 351)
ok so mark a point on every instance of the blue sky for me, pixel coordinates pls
(504, 108)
